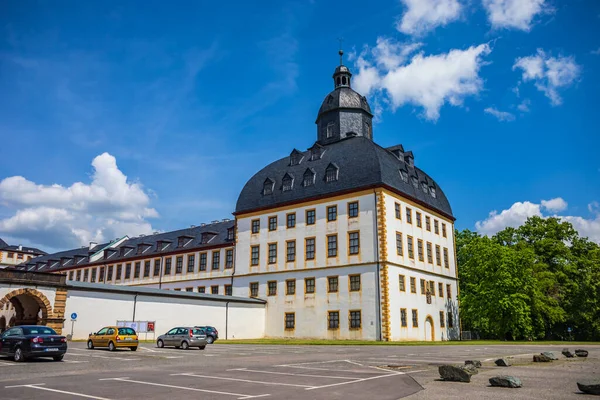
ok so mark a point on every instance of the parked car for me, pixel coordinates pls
(184, 337)
(211, 333)
(32, 341)
(114, 337)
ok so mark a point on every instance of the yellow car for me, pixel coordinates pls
(113, 337)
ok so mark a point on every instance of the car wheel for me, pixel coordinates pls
(90, 345)
(201, 347)
(133, 348)
(111, 346)
(185, 345)
(160, 344)
(19, 357)
(58, 358)
(210, 340)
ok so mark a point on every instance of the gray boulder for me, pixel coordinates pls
(506, 381)
(590, 387)
(541, 358)
(456, 373)
(550, 355)
(502, 362)
(581, 353)
(476, 363)
(567, 353)
(471, 368)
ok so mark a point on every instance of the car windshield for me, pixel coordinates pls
(126, 331)
(38, 330)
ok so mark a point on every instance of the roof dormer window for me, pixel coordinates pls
(309, 177)
(424, 187)
(268, 186)
(331, 173)
(230, 232)
(330, 127)
(296, 157)
(432, 191)
(415, 182)
(288, 182)
(404, 176)
(316, 152)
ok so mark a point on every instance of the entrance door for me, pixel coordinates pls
(429, 333)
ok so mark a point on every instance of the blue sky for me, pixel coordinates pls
(497, 99)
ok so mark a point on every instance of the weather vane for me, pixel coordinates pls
(341, 52)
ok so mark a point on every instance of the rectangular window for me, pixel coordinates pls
(429, 253)
(309, 285)
(191, 261)
(446, 262)
(93, 275)
(214, 289)
(272, 253)
(442, 324)
(290, 287)
(229, 258)
(157, 267)
(201, 289)
(413, 285)
(86, 273)
(423, 286)
(428, 223)
(272, 288)
(101, 275)
(420, 249)
(397, 209)
(415, 318)
(168, 266)
(432, 288)
(448, 291)
(409, 215)
(291, 220)
(71, 274)
(333, 319)
(450, 320)
(119, 272)
(179, 265)
(402, 283)
(441, 289)
(127, 270)
(310, 248)
(273, 223)
(353, 209)
(310, 217)
(290, 320)
(78, 278)
(403, 322)
(255, 255)
(137, 270)
(444, 229)
(216, 259)
(189, 289)
(255, 225)
(355, 321)
(203, 261)
(411, 251)
(418, 215)
(146, 268)
(354, 283)
(253, 289)
(332, 284)
(291, 251)
(438, 257)
(399, 247)
(436, 227)
(109, 274)
(228, 290)
(176, 289)
(353, 242)
(331, 245)
(331, 213)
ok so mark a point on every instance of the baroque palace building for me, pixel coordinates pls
(346, 240)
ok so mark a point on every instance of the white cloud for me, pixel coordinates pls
(501, 115)
(595, 52)
(422, 16)
(548, 73)
(518, 213)
(57, 216)
(524, 106)
(423, 81)
(514, 14)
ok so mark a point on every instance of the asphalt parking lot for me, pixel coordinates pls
(287, 372)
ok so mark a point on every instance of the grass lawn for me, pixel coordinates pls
(374, 343)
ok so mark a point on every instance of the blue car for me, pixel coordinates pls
(32, 341)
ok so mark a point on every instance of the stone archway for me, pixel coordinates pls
(429, 330)
(2, 324)
(31, 307)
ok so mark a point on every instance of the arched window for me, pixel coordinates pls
(308, 178)
(288, 182)
(331, 173)
(343, 80)
(338, 81)
(268, 186)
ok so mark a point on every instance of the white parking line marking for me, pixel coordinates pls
(331, 370)
(355, 381)
(289, 373)
(239, 396)
(243, 380)
(74, 362)
(39, 387)
(9, 364)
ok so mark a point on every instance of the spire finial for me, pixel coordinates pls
(341, 52)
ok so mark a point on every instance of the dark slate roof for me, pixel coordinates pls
(24, 249)
(361, 162)
(344, 97)
(217, 230)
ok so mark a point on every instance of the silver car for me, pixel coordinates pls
(184, 337)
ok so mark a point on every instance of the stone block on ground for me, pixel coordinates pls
(456, 373)
(506, 381)
(541, 358)
(476, 363)
(550, 355)
(581, 353)
(590, 386)
(567, 353)
(502, 362)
